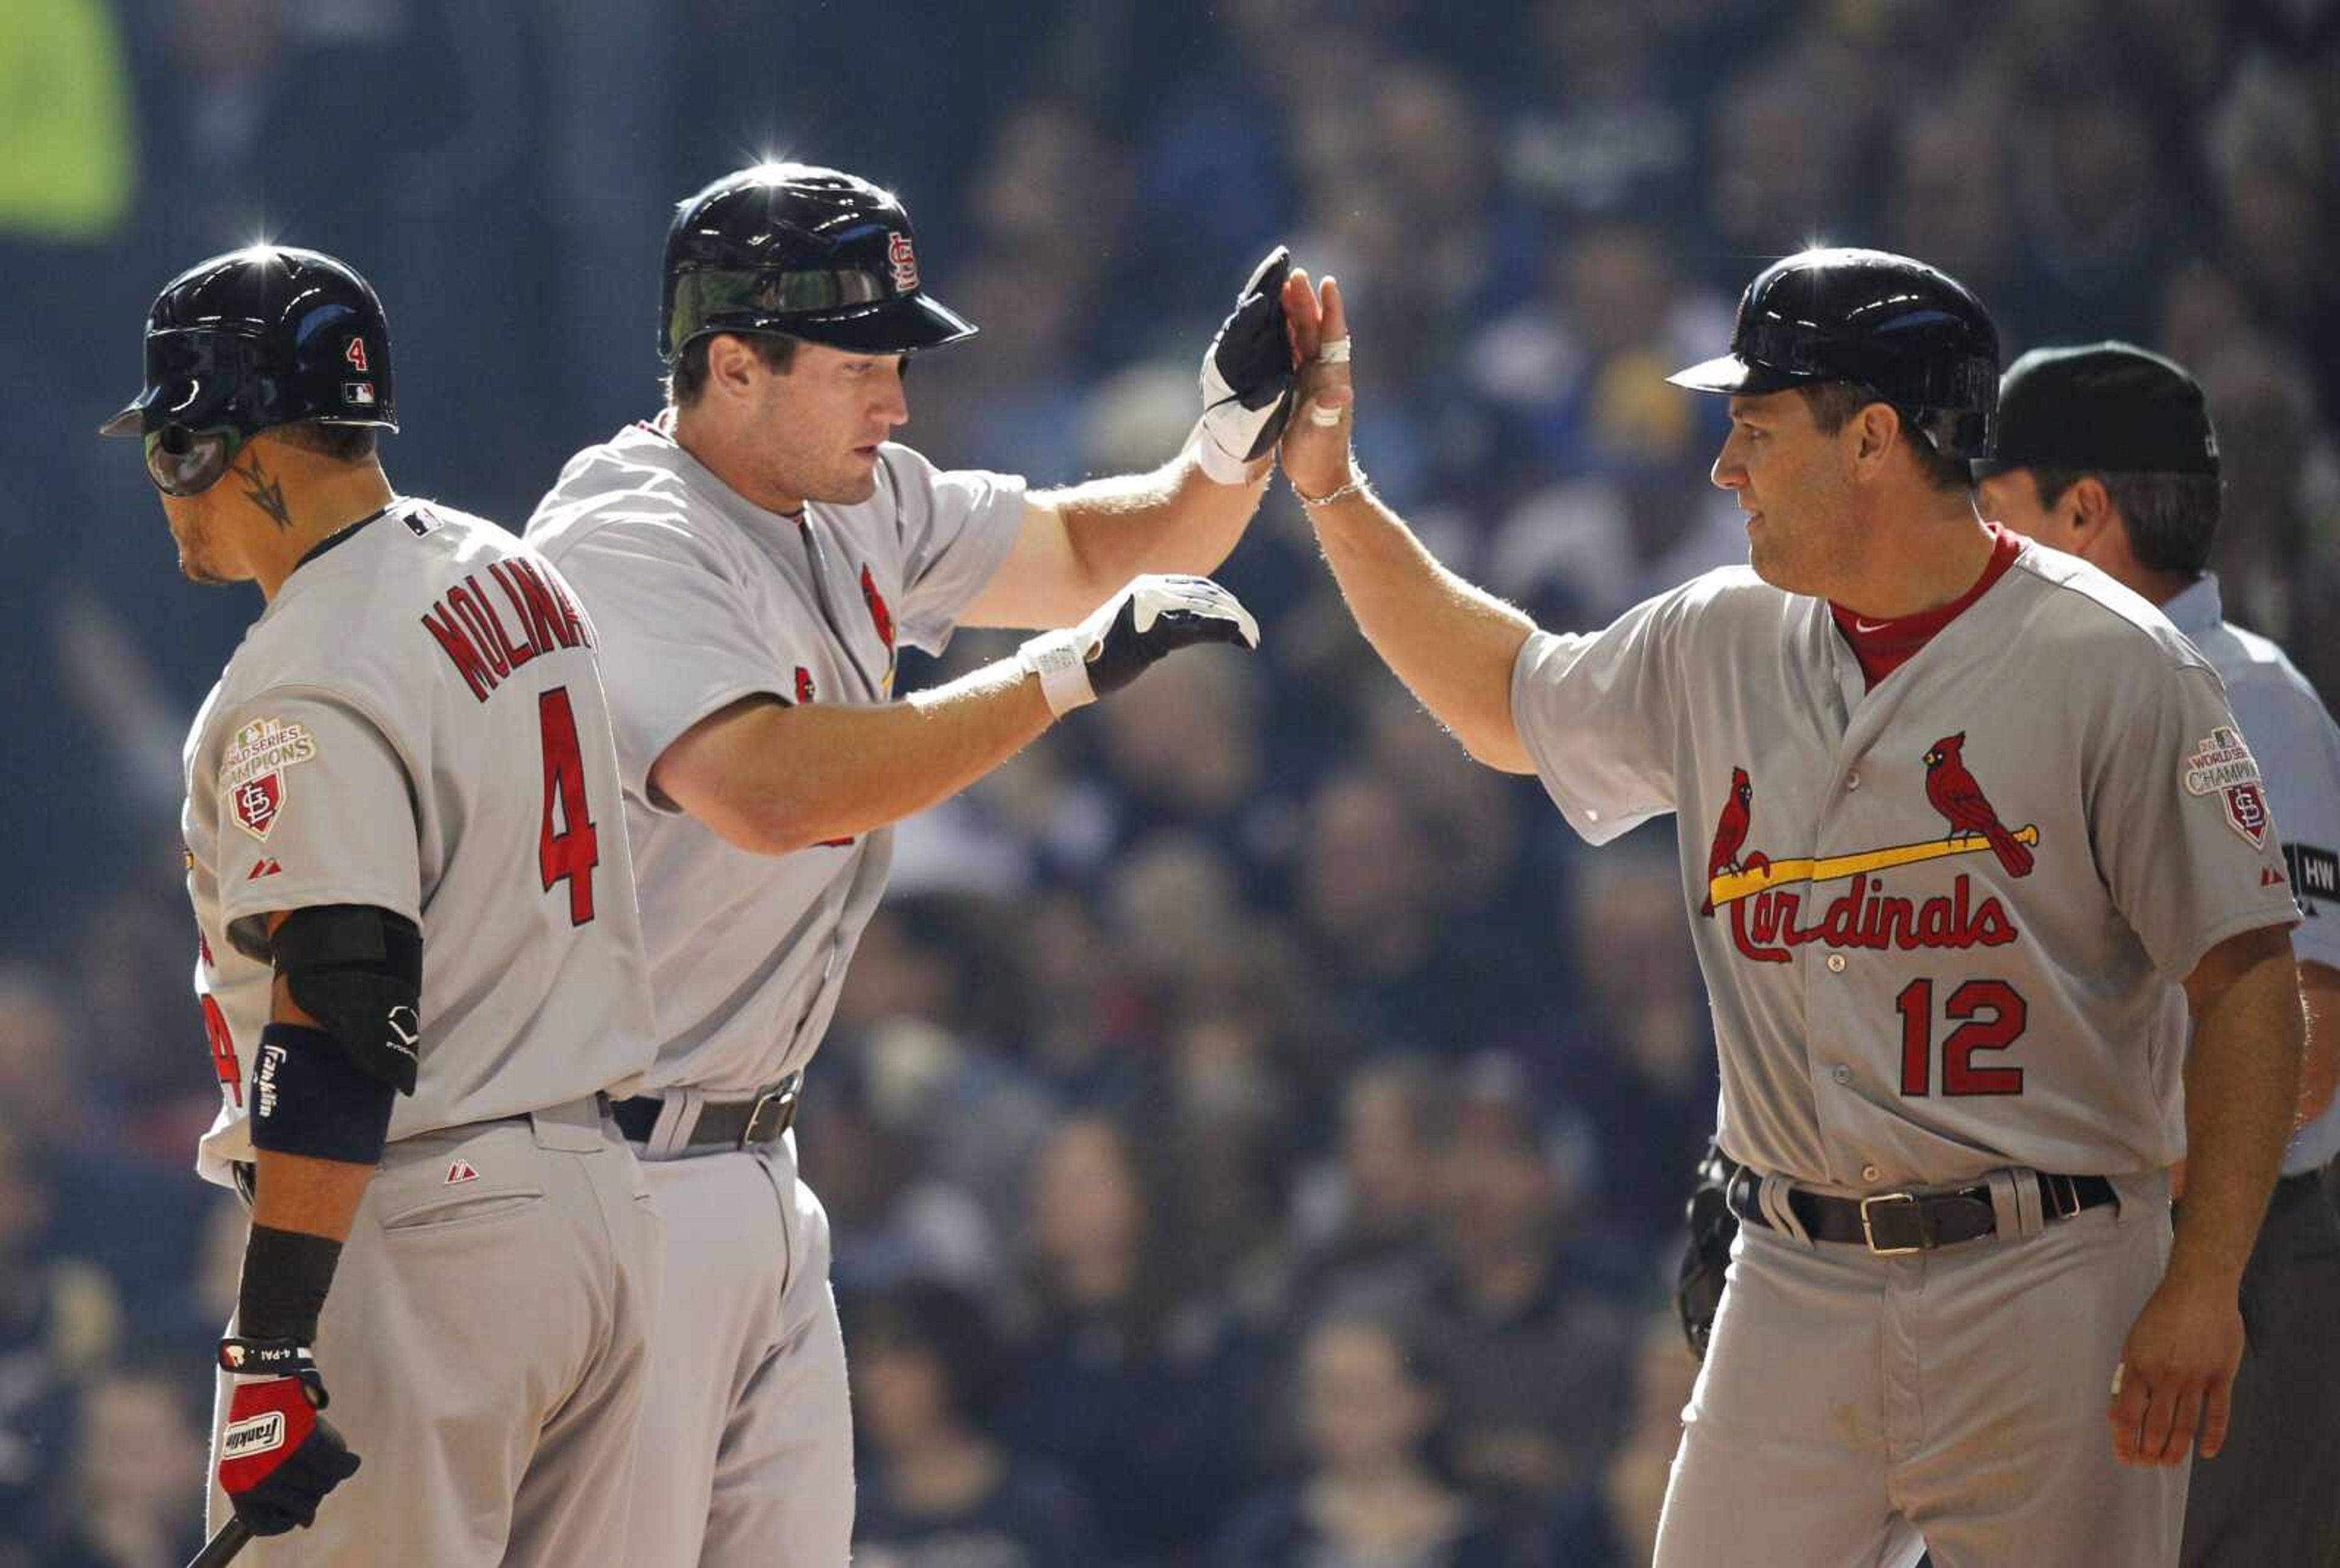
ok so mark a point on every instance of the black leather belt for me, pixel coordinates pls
(727, 1124)
(1891, 1223)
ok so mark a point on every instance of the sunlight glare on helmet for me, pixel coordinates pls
(771, 166)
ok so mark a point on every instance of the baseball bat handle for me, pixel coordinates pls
(222, 1548)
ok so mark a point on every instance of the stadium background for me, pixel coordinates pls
(1239, 1091)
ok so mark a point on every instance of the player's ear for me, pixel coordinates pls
(2091, 506)
(731, 365)
(1875, 428)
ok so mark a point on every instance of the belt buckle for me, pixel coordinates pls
(782, 1101)
(1868, 1228)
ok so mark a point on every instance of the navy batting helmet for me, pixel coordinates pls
(1915, 335)
(809, 252)
(266, 336)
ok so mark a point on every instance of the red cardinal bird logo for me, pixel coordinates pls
(1952, 791)
(879, 614)
(1730, 833)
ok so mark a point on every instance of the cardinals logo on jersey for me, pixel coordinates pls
(1952, 791)
(879, 616)
(1730, 837)
(2222, 765)
(1767, 898)
(804, 685)
(251, 779)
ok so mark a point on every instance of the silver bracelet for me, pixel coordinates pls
(1362, 482)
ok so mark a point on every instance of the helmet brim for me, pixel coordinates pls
(130, 421)
(899, 326)
(1735, 377)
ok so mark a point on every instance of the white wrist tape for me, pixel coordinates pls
(1055, 658)
(1218, 464)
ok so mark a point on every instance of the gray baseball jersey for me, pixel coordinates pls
(1942, 917)
(701, 598)
(1940, 920)
(2297, 742)
(416, 723)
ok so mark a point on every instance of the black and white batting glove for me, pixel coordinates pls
(1150, 617)
(1247, 378)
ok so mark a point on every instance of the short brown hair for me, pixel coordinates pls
(1834, 403)
(341, 443)
(688, 376)
(2172, 518)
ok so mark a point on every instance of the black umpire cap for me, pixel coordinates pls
(2106, 408)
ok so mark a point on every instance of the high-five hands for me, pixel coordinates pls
(1247, 377)
(1316, 451)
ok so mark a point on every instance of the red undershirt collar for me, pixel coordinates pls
(1882, 647)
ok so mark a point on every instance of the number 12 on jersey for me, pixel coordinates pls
(567, 849)
(1990, 1016)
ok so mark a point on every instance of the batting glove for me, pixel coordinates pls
(1247, 378)
(277, 1456)
(1150, 617)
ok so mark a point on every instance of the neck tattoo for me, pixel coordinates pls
(264, 492)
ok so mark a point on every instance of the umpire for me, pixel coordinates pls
(2107, 452)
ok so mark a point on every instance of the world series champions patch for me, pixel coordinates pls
(2222, 765)
(252, 778)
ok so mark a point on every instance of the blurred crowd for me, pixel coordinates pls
(1254, 1136)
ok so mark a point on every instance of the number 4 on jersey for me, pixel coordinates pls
(567, 849)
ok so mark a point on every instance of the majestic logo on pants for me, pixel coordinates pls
(1768, 904)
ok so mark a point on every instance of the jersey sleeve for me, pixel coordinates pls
(1596, 712)
(2185, 838)
(2299, 748)
(316, 806)
(679, 640)
(957, 527)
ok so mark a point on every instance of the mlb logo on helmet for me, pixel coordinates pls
(360, 394)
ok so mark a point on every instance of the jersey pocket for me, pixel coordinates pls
(463, 1211)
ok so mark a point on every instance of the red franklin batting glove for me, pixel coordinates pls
(277, 1456)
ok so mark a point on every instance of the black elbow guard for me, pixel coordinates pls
(358, 971)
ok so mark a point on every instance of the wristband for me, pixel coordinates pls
(286, 1275)
(1055, 658)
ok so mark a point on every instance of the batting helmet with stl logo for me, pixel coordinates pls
(242, 342)
(808, 251)
(1916, 336)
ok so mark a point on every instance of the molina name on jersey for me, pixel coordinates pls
(416, 723)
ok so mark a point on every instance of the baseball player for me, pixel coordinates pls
(1976, 825)
(2107, 451)
(420, 965)
(754, 557)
